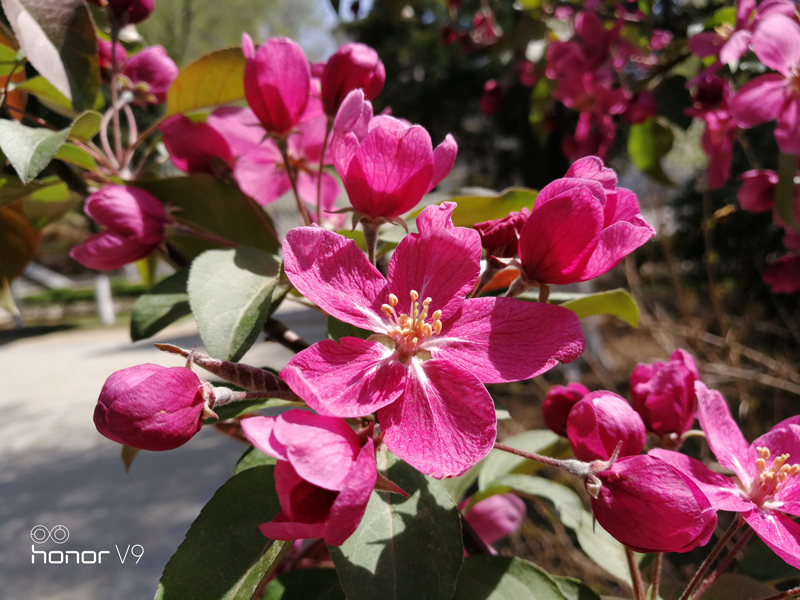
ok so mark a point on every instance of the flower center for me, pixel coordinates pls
(768, 482)
(725, 31)
(410, 331)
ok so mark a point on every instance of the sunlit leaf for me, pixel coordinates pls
(214, 79)
(29, 149)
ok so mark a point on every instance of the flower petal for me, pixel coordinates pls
(721, 491)
(496, 516)
(349, 378)
(593, 168)
(503, 339)
(724, 437)
(239, 127)
(778, 532)
(615, 243)
(259, 175)
(444, 157)
(350, 505)
(782, 276)
(787, 130)
(332, 272)
(736, 46)
(565, 186)
(760, 100)
(260, 431)
(444, 422)
(776, 42)
(441, 262)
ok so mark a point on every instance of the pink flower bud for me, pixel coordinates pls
(352, 67)
(649, 506)
(496, 516)
(277, 83)
(640, 107)
(196, 147)
(127, 12)
(500, 238)
(151, 407)
(134, 222)
(104, 57)
(783, 276)
(149, 74)
(558, 403)
(599, 422)
(491, 98)
(663, 393)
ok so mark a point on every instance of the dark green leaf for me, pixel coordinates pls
(224, 555)
(230, 293)
(784, 191)
(167, 302)
(305, 584)
(253, 457)
(405, 548)
(487, 577)
(29, 149)
(59, 39)
(500, 463)
(574, 589)
(338, 329)
(12, 189)
(648, 143)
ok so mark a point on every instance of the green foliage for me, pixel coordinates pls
(216, 78)
(618, 303)
(500, 463)
(476, 209)
(77, 156)
(167, 302)
(305, 584)
(574, 589)
(48, 94)
(405, 548)
(487, 577)
(224, 555)
(230, 293)
(648, 143)
(86, 125)
(29, 149)
(252, 457)
(338, 329)
(46, 204)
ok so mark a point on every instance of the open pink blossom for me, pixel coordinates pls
(650, 506)
(149, 74)
(277, 83)
(134, 227)
(765, 488)
(196, 147)
(105, 60)
(663, 394)
(324, 475)
(599, 422)
(495, 517)
(581, 226)
(388, 166)
(423, 370)
(353, 66)
(776, 42)
(558, 403)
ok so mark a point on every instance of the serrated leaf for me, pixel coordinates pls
(59, 39)
(76, 156)
(18, 240)
(305, 584)
(784, 191)
(486, 577)
(404, 548)
(214, 79)
(338, 329)
(230, 293)
(86, 125)
(618, 303)
(167, 302)
(476, 209)
(499, 463)
(648, 143)
(224, 555)
(29, 149)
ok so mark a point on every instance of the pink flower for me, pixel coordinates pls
(104, 57)
(496, 516)
(757, 193)
(423, 370)
(151, 407)
(717, 141)
(640, 107)
(353, 66)
(387, 166)
(663, 393)
(324, 475)
(765, 487)
(599, 422)
(149, 74)
(558, 403)
(134, 222)
(277, 83)
(127, 12)
(783, 276)
(500, 237)
(581, 226)
(491, 98)
(776, 42)
(650, 506)
(196, 147)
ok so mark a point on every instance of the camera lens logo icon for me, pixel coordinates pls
(40, 534)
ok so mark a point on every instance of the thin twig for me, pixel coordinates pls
(636, 575)
(301, 210)
(711, 579)
(545, 460)
(328, 127)
(114, 94)
(709, 560)
(656, 582)
(287, 338)
(792, 593)
(746, 375)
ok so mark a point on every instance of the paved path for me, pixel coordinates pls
(55, 469)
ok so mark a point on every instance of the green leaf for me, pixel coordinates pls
(224, 555)
(305, 584)
(12, 189)
(77, 156)
(128, 453)
(648, 143)
(243, 407)
(672, 98)
(252, 457)
(59, 39)
(457, 486)
(618, 303)
(476, 209)
(48, 94)
(404, 548)
(86, 125)
(338, 329)
(208, 204)
(487, 577)
(726, 15)
(46, 204)
(500, 463)
(29, 149)
(18, 239)
(574, 589)
(230, 293)
(784, 191)
(214, 79)
(167, 302)
(733, 586)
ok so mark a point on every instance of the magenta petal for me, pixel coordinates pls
(707, 43)
(349, 378)
(444, 157)
(109, 250)
(239, 126)
(782, 276)
(615, 243)
(282, 527)
(776, 42)
(757, 193)
(496, 516)
(355, 114)
(566, 186)
(259, 175)
(350, 505)
(503, 339)
(778, 532)
(621, 206)
(724, 437)
(332, 272)
(721, 491)
(760, 100)
(307, 189)
(787, 130)
(193, 147)
(441, 262)
(260, 431)
(321, 449)
(593, 168)
(736, 46)
(444, 422)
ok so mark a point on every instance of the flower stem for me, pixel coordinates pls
(636, 575)
(329, 126)
(545, 460)
(711, 579)
(370, 238)
(712, 556)
(204, 235)
(792, 593)
(114, 109)
(301, 210)
(656, 576)
(226, 396)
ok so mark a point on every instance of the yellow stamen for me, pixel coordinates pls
(393, 301)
